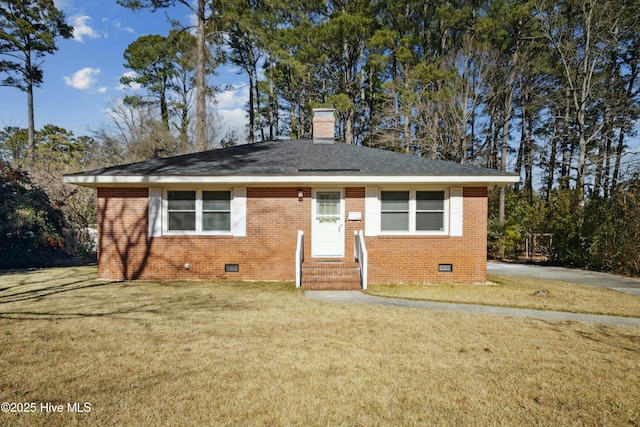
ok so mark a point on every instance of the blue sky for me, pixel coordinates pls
(81, 80)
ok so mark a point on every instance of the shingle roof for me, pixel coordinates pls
(291, 158)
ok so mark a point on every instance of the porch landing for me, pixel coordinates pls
(330, 274)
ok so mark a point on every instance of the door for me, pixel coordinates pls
(328, 224)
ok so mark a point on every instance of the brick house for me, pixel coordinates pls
(329, 215)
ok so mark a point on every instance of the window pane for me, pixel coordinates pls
(328, 203)
(216, 221)
(433, 221)
(395, 200)
(182, 200)
(395, 221)
(327, 209)
(216, 200)
(430, 200)
(182, 221)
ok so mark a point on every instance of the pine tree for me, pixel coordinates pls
(28, 31)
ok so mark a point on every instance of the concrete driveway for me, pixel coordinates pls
(601, 280)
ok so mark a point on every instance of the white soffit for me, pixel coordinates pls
(117, 180)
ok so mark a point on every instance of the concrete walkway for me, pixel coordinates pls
(357, 297)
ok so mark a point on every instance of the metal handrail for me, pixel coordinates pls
(360, 254)
(299, 258)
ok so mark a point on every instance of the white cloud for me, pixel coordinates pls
(193, 23)
(81, 29)
(235, 116)
(234, 120)
(62, 4)
(102, 89)
(121, 27)
(83, 79)
(132, 85)
(233, 99)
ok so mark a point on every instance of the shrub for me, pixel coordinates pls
(30, 226)
(603, 235)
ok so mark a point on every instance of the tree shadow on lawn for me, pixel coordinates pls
(26, 282)
(115, 299)
(41, 295)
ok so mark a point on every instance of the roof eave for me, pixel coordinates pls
(95, 181)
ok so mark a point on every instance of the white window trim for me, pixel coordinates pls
(155, 212)
(412, 213)
(199, 213)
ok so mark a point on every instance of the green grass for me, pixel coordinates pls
(203, 353)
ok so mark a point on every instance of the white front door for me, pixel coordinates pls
(328, 224)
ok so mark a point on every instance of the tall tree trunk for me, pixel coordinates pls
(472, 139)
(363, 94)
(348, 126)
(603, 154)
(257, 101)
(526, 143)
(552, 161)
(528, 162)
(582, 152)
(252, 113)
(201, 84)
(272, 102)
(184, 118)
(492, 140)
(580, 99)
(433, 145)
(621, 134)
(406, 134)
(31, 137)
(164, 111)
(616, 168)
(31, 132)
(503, 167)
(508, 112)
(607, 168)
(565, 169)
(520, 157)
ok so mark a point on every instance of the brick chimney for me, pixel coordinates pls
(324, 125)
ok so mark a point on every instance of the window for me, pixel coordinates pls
(182, 210)
(413, 211)
(429, 210)
(395, 211)
(328, 204)
(216, 211)
(196, 211)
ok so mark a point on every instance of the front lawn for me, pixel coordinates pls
(201, 353)
(519, 292)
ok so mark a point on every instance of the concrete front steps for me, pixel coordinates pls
(320, 275)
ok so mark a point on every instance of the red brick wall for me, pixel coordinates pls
(354, 202)
(122, 232)
(274, 215)
(415, 259)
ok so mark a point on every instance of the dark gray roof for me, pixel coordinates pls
(294, 157)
